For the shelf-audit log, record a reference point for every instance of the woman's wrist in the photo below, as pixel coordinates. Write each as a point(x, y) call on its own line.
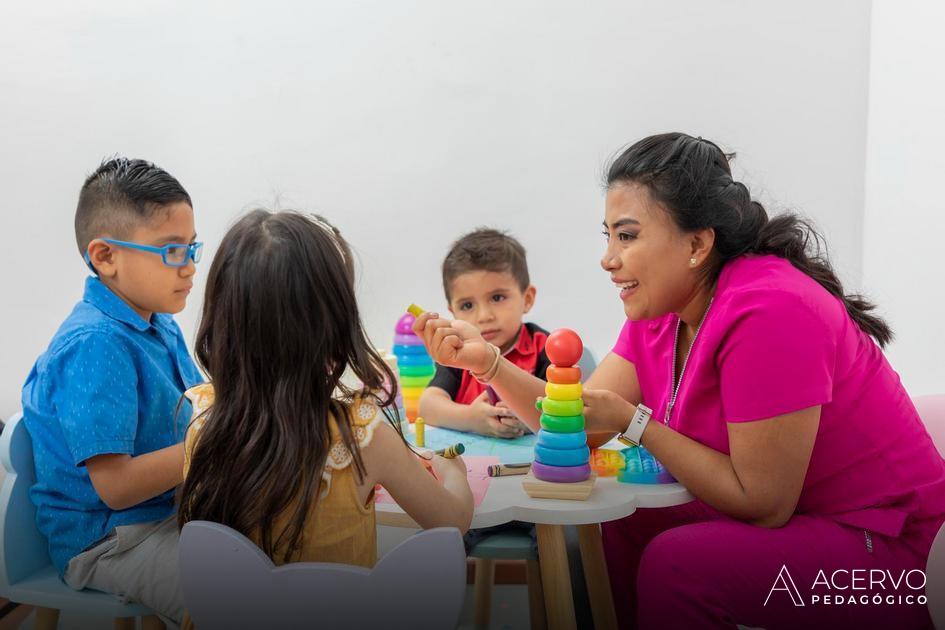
point(621, 423)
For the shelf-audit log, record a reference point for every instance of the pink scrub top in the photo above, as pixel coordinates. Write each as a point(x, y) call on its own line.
point(774, 341)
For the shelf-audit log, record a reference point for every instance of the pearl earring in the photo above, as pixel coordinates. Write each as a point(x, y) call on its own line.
point(692, 262)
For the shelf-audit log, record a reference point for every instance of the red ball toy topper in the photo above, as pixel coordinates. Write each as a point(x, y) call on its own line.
point(564, 347)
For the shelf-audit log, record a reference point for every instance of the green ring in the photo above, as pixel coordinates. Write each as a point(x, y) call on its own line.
point(562, 424)
point(562, 407)
point(417, 370)
point(415, 381)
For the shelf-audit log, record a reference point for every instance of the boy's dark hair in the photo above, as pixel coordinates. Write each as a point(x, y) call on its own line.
point(485, 249)
point(120, 195)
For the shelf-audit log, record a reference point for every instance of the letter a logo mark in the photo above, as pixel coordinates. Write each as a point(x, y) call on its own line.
point(784, 582)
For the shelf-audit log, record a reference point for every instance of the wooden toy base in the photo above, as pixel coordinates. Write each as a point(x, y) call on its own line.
point(538, 489)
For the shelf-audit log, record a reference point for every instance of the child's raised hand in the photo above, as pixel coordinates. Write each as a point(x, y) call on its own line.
point(493, 420)
point(454, 343)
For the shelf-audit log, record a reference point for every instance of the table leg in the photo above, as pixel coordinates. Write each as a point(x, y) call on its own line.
point(555, 577)
point(595, 575)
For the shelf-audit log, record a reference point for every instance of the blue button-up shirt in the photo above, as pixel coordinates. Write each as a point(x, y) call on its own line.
point(110, 382)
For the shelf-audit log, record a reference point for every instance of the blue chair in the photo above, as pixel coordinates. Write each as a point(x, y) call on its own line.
point(514, 545)
point(26, 574)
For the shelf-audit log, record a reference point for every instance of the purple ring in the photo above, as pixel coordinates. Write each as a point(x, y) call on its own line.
point(407, 340)
point(404, 324)
point(561, 474)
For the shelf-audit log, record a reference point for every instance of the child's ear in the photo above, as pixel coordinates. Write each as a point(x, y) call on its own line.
point(529, 296)
point(102, 257)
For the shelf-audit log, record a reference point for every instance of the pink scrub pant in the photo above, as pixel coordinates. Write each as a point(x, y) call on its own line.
point(691, 567)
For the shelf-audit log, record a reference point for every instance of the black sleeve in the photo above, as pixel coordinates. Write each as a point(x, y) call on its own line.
point(448, 379)
point(541, 365)
point(542, 362)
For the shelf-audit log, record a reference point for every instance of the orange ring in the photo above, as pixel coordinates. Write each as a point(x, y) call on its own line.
point(563, 375)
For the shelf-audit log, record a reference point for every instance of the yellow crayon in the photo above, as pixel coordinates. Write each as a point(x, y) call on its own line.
point(452, 451)
point(415, 310)
point(419, 426)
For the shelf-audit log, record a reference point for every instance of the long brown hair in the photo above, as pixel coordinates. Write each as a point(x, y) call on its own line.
point(280, 324)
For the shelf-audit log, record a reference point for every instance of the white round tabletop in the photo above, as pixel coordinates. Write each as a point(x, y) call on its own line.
point(506, 501)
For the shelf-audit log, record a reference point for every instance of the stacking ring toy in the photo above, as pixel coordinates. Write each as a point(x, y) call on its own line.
point(557, 391)
point(560, 474)
point(400, 349)
point(548, 439)
point(563, 375)
point(557, 457)
point(412, 392)
point(407, 339)
point(561, 407)
point(416, 370)
point(405, 324)
point(414, 359)
point(562, 424)
point(409, 382)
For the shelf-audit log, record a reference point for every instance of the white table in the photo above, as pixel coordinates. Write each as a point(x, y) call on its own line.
point(610, 500)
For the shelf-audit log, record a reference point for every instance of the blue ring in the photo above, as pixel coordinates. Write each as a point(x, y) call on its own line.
point(401, 349)
point(414, 359)
point(560, 441)
point(562, 457)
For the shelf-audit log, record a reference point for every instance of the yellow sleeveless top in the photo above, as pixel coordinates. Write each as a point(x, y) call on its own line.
point(338, 528)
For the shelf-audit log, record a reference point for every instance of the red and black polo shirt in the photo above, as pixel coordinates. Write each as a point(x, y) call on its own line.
point(528, 353)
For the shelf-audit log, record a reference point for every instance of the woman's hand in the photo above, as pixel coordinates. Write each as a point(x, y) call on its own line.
point(605, 411)
point(454, 343)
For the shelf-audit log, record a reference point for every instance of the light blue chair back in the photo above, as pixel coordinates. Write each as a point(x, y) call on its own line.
point(228, 582)
point(23, 549)
point(27, 575)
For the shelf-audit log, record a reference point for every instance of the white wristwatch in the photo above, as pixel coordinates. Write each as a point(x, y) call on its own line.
point(631, 437)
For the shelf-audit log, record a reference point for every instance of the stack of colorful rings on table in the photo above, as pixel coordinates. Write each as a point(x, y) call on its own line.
point(414, 366)
point(561, 453)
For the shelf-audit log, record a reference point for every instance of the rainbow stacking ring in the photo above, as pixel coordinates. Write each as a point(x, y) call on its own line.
point(554, 407)
point(407, 340)
point(562, 457)
point(562, 424)
point(549, 439)
point(562, 392)
point(414, 359)
point(400, 348)
point(417, 370)
point(561, 474)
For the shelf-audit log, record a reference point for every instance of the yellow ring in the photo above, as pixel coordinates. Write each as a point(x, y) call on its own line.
point(559, 391)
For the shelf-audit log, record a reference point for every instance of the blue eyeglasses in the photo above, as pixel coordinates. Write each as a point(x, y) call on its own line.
point(173, 255)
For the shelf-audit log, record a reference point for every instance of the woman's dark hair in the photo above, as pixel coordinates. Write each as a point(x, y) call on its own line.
point(691, 178)
point(280, 324)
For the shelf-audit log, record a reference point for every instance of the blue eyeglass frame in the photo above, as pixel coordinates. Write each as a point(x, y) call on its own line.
point(194, 251)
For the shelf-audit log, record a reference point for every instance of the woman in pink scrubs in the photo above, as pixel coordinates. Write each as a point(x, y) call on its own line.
point(818, 489)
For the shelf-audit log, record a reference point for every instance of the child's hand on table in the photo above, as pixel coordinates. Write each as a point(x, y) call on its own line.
point(493, 420)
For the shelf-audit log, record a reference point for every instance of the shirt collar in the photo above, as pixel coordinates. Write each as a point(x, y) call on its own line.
point(525, 344)
point(104, 299)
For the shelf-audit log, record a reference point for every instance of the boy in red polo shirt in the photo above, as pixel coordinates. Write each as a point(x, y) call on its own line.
point(485, 278)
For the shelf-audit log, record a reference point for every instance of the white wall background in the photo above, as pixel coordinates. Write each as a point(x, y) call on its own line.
point(905, 206)
point(409, 123)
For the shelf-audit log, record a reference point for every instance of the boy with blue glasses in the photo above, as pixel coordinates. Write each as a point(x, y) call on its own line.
point(104, 403)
